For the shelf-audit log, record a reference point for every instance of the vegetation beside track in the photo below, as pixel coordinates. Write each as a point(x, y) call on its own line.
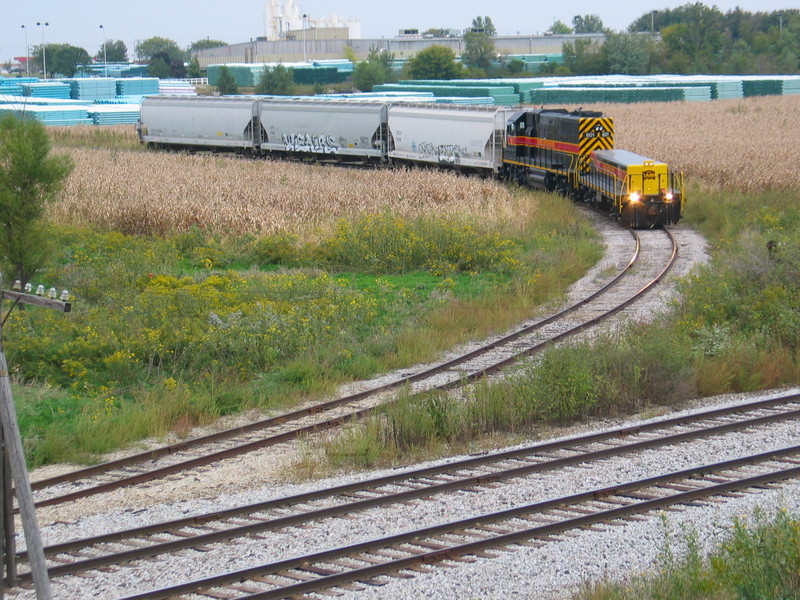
point(740, 309)
point(170, 330)
point(758, 559)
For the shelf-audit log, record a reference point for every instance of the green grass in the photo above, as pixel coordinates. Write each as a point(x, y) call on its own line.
point(743, 308)
point(211, 326)
point(759, 559)
point(619, 373)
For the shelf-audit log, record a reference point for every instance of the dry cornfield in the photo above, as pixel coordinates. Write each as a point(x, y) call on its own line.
point(748, 144)
point(159, 192)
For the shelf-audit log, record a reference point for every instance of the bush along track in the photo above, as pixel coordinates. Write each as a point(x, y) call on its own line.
point(171, 332)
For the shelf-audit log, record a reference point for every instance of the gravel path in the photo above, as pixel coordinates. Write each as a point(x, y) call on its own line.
point(549, 572)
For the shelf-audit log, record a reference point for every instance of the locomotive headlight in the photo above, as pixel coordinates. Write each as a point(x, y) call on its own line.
point(668, 196)
point(634, 197)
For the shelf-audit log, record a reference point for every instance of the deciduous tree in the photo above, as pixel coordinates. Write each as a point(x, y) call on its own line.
point(434, 62)
point(587, 24)
point(29, 179)
point(275, 81)
point(147, 50)
point(479, 48)
point(226, 84)
point(62, 59)
point(115, 51)
point(375, 70)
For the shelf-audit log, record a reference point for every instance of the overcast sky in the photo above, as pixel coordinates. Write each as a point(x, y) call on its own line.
point(77, 22)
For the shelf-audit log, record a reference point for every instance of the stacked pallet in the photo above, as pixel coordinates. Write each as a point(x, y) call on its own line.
point(340, 64)
point(51, 114)
point(137, 86)
point(113, 114)
point(47, 89)
point(7, 86)
point(501, 95)
point(535, 62)
point(759, 85)
point(94, 88)
point(588, 95)
point(312, 74)
point(245, 75)
point(167, 87)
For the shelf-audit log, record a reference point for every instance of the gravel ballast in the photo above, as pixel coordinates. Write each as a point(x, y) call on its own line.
point(550, 572)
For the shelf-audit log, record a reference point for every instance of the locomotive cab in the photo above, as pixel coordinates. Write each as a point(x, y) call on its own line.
point(639, 191)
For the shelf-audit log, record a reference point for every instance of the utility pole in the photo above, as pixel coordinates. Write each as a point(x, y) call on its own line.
point(44, 47)
point(13, 456)
point(105, 57)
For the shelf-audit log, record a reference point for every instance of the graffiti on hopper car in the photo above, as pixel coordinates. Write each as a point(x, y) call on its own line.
point(304, 142)
point(445, 153)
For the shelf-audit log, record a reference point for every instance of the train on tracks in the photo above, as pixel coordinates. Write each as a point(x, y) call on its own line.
point(569, 152)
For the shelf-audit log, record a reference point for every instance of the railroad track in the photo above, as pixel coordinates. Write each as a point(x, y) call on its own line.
point(350, 568)
point(473, 473)
point(635, 279)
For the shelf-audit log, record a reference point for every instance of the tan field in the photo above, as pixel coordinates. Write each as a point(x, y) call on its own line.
point(157, 192)
point(740, 144)
point(748, 144)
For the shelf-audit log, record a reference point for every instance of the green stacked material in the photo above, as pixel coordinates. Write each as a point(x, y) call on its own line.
point(791, 85)
point(248, 75)
point(112, 69)
point(692, 90)
point(114, 114)
point(10, 87)
point(503, 95)
point(137, 86)
point(63, 114)
point(399, 65)
point(244, 75)
point(341, 64)
point(94, 88)
point(521, 86)
point(534, 63)
point(762, 87)
point(589, 95)
point(47, 89)
point(309, 75)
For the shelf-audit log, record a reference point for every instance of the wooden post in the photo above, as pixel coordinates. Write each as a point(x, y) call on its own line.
point(22, 486)
point(8, 525)
point(3, 537)
point(14, 461)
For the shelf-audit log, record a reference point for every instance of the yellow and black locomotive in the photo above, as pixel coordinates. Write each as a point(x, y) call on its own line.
point(572, 153)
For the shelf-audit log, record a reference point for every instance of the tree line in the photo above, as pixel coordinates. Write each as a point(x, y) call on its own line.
point(163, 56)
point(693, 39)
point(690, 39)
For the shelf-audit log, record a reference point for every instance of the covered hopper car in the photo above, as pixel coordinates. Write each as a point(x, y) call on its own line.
point(569, 152)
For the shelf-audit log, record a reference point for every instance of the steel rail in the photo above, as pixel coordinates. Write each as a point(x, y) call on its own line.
point(639, 504)
point(429, 490)
point(294, 415)
point(316, 409)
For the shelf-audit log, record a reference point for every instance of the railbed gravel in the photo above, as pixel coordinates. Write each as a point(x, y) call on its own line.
point(550, 572)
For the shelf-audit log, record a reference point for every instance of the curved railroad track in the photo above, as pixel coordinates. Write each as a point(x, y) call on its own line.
point(652, 254)
point(414, 486)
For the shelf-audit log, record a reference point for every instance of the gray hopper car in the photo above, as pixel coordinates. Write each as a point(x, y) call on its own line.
point(571, 153)
point(465, 137)
point(462, 137)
